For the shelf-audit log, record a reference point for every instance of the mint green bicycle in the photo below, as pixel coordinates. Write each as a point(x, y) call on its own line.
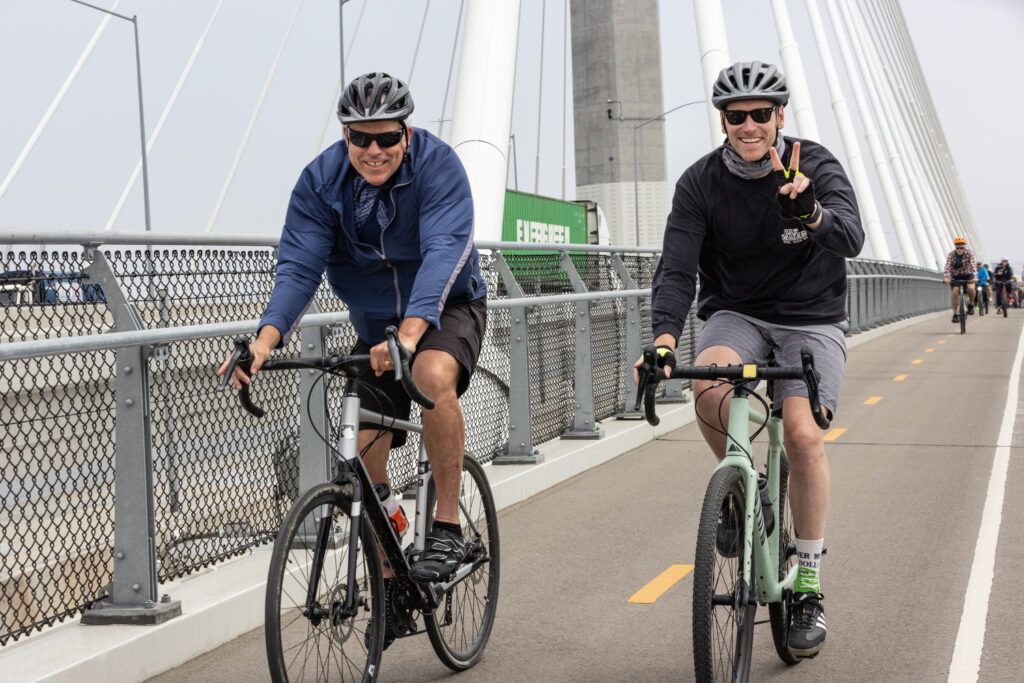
point(746, 546)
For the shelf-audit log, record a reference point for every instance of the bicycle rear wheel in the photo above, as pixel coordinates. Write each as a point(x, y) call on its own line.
point(778, 612)
point(461, 626)
point(324, 643)
point(723, 628)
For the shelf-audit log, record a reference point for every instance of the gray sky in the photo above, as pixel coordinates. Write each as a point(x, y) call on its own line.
point(77, 171)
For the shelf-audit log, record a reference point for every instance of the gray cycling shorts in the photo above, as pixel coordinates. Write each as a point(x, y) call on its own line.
point(754, 340)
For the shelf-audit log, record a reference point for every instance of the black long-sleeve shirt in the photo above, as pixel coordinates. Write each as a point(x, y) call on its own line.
point(750, 258)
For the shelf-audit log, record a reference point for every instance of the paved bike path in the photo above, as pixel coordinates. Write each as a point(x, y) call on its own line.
point(909, 474)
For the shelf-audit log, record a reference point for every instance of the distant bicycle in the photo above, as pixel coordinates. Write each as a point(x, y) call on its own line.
point(981, 297)
point(326, 612)
point(746, 544)
point(962, 305)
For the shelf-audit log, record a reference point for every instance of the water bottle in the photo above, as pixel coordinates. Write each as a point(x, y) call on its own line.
point(766, 503)
point(387, 499)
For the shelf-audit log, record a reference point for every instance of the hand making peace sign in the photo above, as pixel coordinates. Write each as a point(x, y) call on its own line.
point(796, 191)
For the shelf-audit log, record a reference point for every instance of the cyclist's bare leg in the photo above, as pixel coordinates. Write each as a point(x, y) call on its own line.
point(955, 297)
point(809, 475)
point(710, 397)
point(444, 429)
point(970, 294)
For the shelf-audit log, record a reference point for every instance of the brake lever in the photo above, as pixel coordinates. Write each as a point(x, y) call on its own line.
point(811, 377)
point(400, 358)
point(241, 358)
point(647, 385)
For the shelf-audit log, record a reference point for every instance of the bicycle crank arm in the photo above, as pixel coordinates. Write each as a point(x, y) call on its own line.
point(439, 589)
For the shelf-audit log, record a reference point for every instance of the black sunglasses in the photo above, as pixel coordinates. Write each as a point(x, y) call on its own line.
point(388, 139)
point(737, 116)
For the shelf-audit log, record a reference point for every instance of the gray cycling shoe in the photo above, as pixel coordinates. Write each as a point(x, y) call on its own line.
point(442, 555)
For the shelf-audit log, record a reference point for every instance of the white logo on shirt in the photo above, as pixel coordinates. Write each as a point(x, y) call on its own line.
point(793, 235)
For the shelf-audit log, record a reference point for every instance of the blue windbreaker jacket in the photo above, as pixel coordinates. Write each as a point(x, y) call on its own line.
point(425, 257)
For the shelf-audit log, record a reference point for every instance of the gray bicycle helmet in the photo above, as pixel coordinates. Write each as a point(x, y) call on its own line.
point(375, 97)
point(749, 81)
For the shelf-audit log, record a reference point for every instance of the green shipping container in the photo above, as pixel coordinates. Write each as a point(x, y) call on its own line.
point(532, 218)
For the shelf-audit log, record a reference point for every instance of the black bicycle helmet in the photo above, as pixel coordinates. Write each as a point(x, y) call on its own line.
point(375, 97)
point(749, 81)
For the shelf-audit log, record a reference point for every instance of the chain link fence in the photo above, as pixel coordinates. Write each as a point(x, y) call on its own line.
point(222, 480)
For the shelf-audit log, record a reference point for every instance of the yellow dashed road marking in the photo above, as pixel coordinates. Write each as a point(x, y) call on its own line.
point(668, 578)
point(928, 350)
point(917, 361)
point(899, 378)
point(943, 341)
point(873, 400)
point(835, 434)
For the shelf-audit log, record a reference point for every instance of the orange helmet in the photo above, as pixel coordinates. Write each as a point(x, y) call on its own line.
point(959, 240)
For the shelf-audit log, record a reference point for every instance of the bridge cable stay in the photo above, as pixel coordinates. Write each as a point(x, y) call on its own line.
point(451, 67)
point(252, 120)
point(163, 118)
point(876, 84)
point(333, 106)
point(540, 95)
point(901, 51)
point(923, 165)
point(419, 38)
point(883, 168)
point(45, 120)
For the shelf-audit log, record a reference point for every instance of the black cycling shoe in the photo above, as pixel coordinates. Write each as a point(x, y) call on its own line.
point(970, 310)
point(442, 555)
point(806, 633)
point(389, 618)
point(956, 318)
point(728, 535)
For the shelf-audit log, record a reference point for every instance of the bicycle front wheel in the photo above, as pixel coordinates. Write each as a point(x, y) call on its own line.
point(461, 626)
point(723, 626)
point(963, 312)
point(778, 612)
point(331, 638)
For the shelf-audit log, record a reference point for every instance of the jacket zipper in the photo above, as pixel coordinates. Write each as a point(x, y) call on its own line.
point(383, 254)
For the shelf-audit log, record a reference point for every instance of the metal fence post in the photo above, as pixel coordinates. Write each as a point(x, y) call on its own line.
point(583, 421)
point(519, 450)
point(133, 591)
point(634, 346)
point(314, 466)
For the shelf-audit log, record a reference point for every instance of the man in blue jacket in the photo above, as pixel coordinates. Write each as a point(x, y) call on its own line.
point(387, 212)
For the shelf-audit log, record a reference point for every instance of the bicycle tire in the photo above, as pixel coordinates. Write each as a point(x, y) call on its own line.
point(778, 612)
point(723, 634)
point(461, 626)
point(350, 648)
point(963, 312)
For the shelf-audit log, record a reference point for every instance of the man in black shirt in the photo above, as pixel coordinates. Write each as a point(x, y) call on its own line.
point(1003, 275)
point(768, 224)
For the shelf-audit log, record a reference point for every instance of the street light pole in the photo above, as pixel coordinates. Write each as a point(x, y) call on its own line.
point(341, 39)
point(636, 173)
point(142, 119)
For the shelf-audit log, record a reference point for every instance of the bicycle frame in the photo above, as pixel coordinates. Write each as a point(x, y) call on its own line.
point(356, 475)
point(739, 455)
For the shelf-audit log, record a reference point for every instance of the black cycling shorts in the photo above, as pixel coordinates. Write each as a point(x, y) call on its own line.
point(461, 335)
point(955, 279)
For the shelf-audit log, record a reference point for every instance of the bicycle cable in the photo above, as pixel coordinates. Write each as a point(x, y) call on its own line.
point(721, 420)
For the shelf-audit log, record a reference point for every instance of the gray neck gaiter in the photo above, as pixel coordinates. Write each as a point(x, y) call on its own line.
point(749, 170)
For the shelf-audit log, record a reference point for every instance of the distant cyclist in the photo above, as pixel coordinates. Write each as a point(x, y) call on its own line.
point(1003, 275)
point(768, 222)
point(961, 267)
point(983, 278)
